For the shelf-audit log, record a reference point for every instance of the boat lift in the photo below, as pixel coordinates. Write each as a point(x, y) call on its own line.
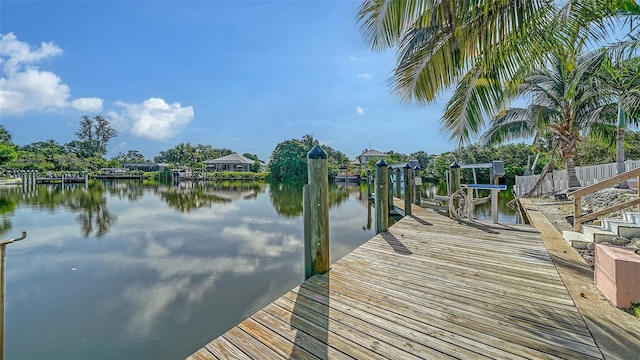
point(461, 200)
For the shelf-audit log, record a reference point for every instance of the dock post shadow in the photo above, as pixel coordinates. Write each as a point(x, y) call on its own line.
point(312, 304)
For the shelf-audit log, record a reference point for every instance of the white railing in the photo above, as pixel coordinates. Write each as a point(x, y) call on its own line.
point(557, 181)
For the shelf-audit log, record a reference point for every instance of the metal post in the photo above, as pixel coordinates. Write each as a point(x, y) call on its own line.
point(318, 209)
point(470, 198)
point(407, 189)
point(2, 287)
point(382, 199)
point(494, 201)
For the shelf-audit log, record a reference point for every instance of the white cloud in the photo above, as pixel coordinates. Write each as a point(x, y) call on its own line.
point(87, 104)
point(153, 119)
point(359, 110)
point(365, 76)
point(24, 87)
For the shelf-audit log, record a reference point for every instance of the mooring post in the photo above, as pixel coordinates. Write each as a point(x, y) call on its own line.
point(454, 170)
point(317, 206)
point(382, 198)
point(407, 189)
point(398, 183)
point(455, 177)
point(3, 251)
point(368, 184)
point(389, 188)
point(417, 181)
point(638, 186)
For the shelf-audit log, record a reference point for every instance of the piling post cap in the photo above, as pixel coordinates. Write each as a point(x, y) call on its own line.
point(381, 163)
point(317, 152)
point(368, 172)
point(454, 165)
point(389, 167)
point(398, 169)
point(406, 166)
point(417, 167)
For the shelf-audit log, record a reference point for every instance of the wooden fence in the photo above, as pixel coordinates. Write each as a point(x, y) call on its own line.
point(558, 181)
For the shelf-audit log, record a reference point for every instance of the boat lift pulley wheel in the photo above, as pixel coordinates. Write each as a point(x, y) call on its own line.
point(460, 206)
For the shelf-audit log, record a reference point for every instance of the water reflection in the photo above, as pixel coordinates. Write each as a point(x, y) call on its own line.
point(286, 198)
point(174, 267)
point(88, 202)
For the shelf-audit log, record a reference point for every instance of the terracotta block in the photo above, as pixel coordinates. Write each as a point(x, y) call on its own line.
point(617, 274)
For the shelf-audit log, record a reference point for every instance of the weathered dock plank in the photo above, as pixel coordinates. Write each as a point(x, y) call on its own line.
point(429, 288)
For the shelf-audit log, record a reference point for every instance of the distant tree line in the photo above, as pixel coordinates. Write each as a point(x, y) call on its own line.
point(288, 161)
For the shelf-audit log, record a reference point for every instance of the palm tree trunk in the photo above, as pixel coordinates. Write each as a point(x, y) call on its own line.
point(620, 155)
point(571, 172)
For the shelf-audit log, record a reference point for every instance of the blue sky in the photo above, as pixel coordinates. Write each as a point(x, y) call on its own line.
point(243, 75)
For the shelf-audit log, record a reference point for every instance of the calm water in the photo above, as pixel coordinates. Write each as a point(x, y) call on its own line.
point(122, 270)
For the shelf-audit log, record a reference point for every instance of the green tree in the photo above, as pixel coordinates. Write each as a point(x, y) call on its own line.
point(131, 157)
point(7, 149)
point(591, 152)
point(623, 81)
point(7, 153)
point(94, 134)
point(565, 100)
point(187, 154)
point(632, 145)
point(289, 161)
point(5, 136)
point(49, 148)
point(422, 157)
point(31, 161)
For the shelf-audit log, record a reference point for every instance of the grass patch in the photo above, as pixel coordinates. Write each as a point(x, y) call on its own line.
point(633, 310)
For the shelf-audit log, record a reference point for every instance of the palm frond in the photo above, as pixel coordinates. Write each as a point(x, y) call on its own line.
point(509, 125)
point(474, 99)
point(383, 22)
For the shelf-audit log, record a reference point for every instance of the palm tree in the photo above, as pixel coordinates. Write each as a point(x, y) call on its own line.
point(479, 47)
point(623, 80)
point(442, 43)
point(565, 100)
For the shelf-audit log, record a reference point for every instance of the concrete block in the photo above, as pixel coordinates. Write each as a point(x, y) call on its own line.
point(617, 274)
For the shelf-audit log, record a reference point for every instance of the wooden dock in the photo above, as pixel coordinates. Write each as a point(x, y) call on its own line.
point(429, 288)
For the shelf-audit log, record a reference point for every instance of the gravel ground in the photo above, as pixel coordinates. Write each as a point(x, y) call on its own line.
point(557, 212)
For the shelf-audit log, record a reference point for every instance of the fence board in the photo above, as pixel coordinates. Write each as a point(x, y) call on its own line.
point(558, 180)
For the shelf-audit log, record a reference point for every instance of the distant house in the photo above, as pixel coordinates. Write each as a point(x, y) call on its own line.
point(145, 166)
point(413, 163)
point(368, 155)
point(233, 162)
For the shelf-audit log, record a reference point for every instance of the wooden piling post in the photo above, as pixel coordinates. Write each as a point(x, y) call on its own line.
point(407, 189)
point(389, 188)
point(3, 251)
point(317, 232)
point(398, 183)
point(382, 199)
point(368, 184)
point(455, 177)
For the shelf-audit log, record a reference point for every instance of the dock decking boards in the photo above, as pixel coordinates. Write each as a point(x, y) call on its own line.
point(430, 288)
